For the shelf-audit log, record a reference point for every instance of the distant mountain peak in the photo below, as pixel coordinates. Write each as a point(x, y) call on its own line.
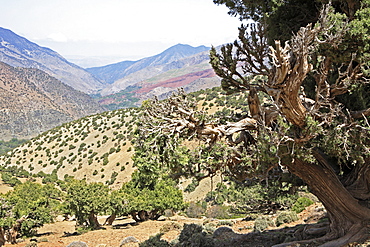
point(17, 51)
point(114, 72)
point(186, 50)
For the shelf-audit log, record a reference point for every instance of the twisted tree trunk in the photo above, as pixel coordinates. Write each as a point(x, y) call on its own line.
point(93, 221)
point(109, 221)
point(349, 219)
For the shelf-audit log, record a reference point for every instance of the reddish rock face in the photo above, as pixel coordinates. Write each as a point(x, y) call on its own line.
point(178, 81)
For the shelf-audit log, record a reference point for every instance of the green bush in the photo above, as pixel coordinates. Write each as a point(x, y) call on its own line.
point(262, 222)
point(225, 223)
point(170, 226)
point(286, 217)
point(301, 204)
point(195, 210)
point(154, 201)
point(35, 204)
point(155, 241)
point(193, 236)
point(9, 179)
point(192, 186)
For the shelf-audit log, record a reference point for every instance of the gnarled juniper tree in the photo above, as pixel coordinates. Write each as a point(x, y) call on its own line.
point(310, 61)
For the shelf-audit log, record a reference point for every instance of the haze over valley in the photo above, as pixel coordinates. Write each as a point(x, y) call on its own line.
point(97, 89)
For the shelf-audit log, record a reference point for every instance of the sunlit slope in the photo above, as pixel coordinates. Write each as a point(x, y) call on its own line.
point(95, 148)
point(98, 147)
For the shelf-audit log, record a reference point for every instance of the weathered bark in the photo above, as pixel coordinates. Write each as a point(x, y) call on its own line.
point(134, 216)
point(93, 221)
point(2, 236)
point(344, 200)
point(154, 215)
point(12, 233)
point(143, 215)
point(140, 216)
point(290, 69)
point(357, 181)
point(254, 104)
point(110, 219)
point(349, 220)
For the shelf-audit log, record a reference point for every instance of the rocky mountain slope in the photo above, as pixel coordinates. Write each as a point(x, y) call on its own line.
point(32, 101)
point(175, 58)
point(179, 66)
point(97, 147)
point(113, 72)
point(115, 82)
point(20, 52)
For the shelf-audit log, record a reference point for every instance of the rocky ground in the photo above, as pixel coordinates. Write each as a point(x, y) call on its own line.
point(60, 234)
point(236, 232)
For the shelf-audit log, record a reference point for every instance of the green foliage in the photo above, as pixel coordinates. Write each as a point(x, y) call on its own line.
point(6, 146)
point(50, 178)
point(251, 196)
point(16, 171)
point(164, 195)
point(192, 186)
point(195, 210)
point(86, 201)
point(359, 29)
point(263, 222)
point(301, 204)
point(286, 217)
point(193, 235)
point(38, 204)
point(8, 179)
point(155, 241)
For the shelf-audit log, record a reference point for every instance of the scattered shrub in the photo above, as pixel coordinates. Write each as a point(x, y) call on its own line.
point(301, 204)
point(192, 186)
point(218, 212)
point(193, 235)
point(155, 241)
point(195, 210)
point(170, 226)
point(262, 222)
point(225, 223)
point(286, 217)
point(31, 244)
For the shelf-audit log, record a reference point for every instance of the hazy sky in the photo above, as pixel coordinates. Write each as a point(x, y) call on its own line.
point(118, 29)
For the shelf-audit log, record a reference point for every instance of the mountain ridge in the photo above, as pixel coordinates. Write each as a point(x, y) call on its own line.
point(32, 101)
point(18, 51)
point(125, 68)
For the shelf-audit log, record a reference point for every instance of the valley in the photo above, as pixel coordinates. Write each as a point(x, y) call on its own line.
point(70, 92)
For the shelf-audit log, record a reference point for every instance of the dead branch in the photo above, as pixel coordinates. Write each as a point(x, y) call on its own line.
point(346, 78)
point(360, 114)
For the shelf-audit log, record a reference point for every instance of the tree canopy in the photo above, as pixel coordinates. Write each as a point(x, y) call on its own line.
point(86, 201)
point(27, 207)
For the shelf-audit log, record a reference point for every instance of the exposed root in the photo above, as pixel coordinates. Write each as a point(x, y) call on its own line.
point(357, 234)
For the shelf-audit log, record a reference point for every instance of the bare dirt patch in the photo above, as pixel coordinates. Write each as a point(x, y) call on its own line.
point(60, 234)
